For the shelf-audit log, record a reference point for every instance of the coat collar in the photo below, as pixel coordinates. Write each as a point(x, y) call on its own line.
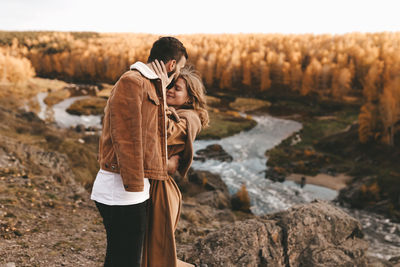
point(144, 70)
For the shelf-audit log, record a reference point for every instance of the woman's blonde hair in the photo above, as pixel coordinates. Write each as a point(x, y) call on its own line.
point(196, 92)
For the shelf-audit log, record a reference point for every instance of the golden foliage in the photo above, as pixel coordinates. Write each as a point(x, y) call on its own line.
point(341, 83)
point(373, 82)
point(330, 66)
point(389, 105)
point(14, 69)
point(311, 77)
point(367, 120)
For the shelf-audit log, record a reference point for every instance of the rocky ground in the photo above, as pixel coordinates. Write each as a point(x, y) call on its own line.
point(46, 216)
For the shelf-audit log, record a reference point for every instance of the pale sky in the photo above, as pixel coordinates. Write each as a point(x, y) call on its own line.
point(201, 16)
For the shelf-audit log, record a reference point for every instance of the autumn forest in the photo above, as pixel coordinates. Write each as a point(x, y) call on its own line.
point(354, 67)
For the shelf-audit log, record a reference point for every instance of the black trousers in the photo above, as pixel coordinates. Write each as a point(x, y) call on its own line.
point(125, 228)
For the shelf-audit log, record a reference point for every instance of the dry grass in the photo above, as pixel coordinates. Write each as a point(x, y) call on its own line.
point(241, 200)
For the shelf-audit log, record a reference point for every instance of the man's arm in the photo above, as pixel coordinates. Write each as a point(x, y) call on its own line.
point(126, 131)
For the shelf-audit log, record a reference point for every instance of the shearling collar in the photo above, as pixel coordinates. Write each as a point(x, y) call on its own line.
point(144, 70)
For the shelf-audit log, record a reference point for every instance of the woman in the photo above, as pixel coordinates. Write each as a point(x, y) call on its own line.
point(186, 114)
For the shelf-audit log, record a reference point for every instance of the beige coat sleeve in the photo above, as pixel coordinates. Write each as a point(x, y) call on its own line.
point(176, 128)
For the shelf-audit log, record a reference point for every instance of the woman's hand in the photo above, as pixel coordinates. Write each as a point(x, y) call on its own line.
point(161, 71)
point(173, 163)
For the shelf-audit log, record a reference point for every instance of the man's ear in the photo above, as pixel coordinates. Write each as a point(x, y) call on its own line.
point(170, 65)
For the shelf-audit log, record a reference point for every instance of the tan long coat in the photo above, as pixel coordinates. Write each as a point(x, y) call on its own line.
point(165, 197)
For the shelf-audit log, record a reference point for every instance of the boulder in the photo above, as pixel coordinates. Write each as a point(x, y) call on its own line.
point(320, 234)
point(209, 181)
point(213, 151)
point(274, 175)
point(253, 242)
point(314, 234)
point(216, 199)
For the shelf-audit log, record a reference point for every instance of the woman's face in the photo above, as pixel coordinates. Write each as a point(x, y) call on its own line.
point(178, 94)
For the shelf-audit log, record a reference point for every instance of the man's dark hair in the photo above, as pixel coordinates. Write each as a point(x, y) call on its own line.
point(166, 49)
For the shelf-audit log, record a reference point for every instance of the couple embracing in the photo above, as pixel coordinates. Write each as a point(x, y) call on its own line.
point(151, 119)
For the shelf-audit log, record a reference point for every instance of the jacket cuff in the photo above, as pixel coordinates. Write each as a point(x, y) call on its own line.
point(171, 112)
point(133, 188)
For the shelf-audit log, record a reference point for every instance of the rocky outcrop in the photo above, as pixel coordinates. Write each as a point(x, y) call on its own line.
point(248, 243)
point(216, 199)
point(213, 151)
point(274, 175)
point(209, 181)
point(320, 234)
point(316, 234)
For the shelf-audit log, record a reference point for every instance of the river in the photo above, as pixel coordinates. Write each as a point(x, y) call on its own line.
point(248, 166)
point(249, 162)
point(63, 119)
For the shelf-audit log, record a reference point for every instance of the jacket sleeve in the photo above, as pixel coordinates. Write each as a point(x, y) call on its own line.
point(176, 128)
point(126, 131)
point(193, 127)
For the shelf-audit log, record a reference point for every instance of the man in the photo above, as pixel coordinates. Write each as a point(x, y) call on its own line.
point(133, 149)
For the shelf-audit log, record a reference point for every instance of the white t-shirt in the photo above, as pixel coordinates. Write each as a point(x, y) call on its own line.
point(108, 189)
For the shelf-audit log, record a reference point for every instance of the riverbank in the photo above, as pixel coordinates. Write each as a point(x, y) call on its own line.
point(337, 182)
point(328, 144)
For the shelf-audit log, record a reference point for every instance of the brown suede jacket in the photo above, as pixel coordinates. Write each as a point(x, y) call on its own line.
point(133, 139)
